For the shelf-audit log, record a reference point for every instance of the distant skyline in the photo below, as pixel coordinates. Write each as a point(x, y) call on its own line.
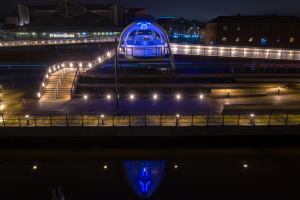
point(188, 9)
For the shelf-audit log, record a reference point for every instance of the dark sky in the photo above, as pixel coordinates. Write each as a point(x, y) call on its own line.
point(189, 9)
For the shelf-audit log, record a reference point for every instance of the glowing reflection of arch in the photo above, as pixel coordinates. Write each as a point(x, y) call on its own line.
point(144, 176)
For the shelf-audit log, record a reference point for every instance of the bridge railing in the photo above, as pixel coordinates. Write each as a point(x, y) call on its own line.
point(56, 41)
point(8, 120)
point(148, 51)
point(241, 52)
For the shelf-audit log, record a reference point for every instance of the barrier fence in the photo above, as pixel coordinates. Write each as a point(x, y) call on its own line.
point(101, 120)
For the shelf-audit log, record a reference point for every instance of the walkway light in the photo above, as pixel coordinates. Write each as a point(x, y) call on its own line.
point(47, 76)
point(278, 90)
point(132, 96)
point(99, 59)
point(102, 119)
point(80, 64)
point(178, 96)
point(245, 165)
point(228, 94)
point(27, 119)
point(34, 167)
point(50, 70)
point(155, 96)
point(108, 54)
point(105, 166)
point(175, 166)
point(90, 65)
point(71, 64)
point(39, 95)
point(177, 118)
point(252, 116)
point(201, 96)
point(108, 96)
point(85, 97)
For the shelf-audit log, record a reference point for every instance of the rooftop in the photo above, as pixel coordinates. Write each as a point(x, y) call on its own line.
point(86, 20)
point(255, 19)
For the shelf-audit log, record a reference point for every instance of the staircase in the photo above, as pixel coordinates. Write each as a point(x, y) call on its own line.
point(62, 88)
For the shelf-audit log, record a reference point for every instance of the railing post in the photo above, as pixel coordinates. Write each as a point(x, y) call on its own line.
point(223, 120)
point(34, 119)
point(50, 120)
point(3, 120)
point(286, 120)
point(67, 120)
point(81, 120)
point(207, 118)
point(129, 120)
point(239, 119)
point(270, 119)
point(192, 119)
point(145, 119)
point(19, 120)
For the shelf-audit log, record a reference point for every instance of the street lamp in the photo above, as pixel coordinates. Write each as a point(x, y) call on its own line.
point(252, 117)
point(102, 118)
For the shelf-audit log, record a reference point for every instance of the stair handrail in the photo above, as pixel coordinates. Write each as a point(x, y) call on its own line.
point(74, 82)
point(59, 82)
point(50, 69)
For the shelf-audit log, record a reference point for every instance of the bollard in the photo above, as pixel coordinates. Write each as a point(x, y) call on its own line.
point(251, 118)
point(228, 94)
point(177, 118)
point(98, 120)
point(27, 119)
point(278, 90)
point(102, 120)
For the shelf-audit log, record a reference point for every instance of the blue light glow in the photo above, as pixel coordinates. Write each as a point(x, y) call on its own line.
point(144, 176)
point(145, 180)
point(143, 25)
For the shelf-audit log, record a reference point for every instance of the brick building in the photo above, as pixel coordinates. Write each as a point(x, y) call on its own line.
point(261, 31)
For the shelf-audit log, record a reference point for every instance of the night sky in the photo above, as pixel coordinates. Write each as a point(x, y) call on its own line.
point(189, 9)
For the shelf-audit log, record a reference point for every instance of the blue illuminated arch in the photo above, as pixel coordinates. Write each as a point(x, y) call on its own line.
point(146, 22)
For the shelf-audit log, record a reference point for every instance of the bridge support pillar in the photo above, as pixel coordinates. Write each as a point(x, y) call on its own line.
point(255, 64)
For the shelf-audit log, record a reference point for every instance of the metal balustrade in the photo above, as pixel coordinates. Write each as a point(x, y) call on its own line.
point(236, 51)
point(56, 41)
point(11, 120)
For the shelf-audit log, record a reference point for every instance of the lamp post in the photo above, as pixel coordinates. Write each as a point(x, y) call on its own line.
point(278, 90)
point(99, 37)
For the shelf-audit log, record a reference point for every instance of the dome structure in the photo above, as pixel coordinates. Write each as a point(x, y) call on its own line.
point(145, 39)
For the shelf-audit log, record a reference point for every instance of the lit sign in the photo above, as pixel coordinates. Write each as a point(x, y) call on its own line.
point(62, 35)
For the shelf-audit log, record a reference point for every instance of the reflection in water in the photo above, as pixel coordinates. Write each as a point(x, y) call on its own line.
point(144, 176)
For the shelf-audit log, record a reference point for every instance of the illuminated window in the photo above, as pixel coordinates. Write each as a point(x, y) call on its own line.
point(264, 41)
point(252, 28)
point(250, 39)
point(237, 39)
point(238, 28)
point(224, 39)
point(225, 28)
point(278, 39)
point(292, 39)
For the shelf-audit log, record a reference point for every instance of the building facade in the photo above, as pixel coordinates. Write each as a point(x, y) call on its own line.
point(182, 30)
point(68, 20)
point(260, 31)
